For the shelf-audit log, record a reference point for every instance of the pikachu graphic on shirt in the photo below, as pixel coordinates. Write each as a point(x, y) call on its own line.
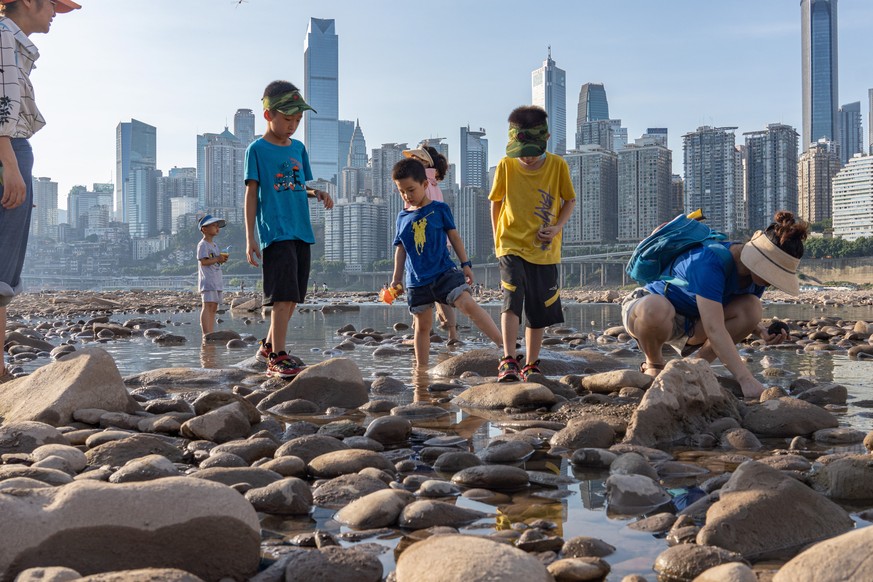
point(418, 232)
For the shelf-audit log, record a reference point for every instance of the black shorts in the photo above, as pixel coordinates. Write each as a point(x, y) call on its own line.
point(286, 271)
point(531, 288)
point(445, 289)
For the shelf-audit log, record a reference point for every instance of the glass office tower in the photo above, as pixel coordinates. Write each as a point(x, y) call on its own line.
point(321, 91)
point(819, 53)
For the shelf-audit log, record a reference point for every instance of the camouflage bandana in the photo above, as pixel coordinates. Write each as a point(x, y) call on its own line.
point(286, 103)
point(527, 143)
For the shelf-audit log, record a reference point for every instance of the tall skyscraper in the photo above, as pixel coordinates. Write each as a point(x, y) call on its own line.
point(644, 187)
point(851, 131)
point(474, 158)
point(820, 70)
point(345, 132)
point(142, 202)
point(135, 148)
point(853, 199)
point(771, 173)
point(44, 219)
point(870, 120)
point(816, 169)
point(473, 219)
point(593, 105)
point(711, 182)
point(355, 233)
point(549, 91)
point(357, 154)
point(321, 91)
point(677, 195)
point(244, 126)
point(594, 174)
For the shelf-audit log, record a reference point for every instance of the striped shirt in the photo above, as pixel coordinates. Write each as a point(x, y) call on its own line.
point(19, 116)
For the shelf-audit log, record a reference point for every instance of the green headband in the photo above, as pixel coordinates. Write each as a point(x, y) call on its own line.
point(528, 142)
point(286, 103)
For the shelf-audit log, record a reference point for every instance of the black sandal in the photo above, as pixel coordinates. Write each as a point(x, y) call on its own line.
point(650, 366)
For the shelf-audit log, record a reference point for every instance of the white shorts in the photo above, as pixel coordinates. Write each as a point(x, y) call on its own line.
point(678, 337)
point(211, 296)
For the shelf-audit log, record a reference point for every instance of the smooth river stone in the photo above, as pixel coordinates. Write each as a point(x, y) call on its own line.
point(338, 463)
point(499, 477)
point(429, 513)
point(378, 509)
point(506, 452)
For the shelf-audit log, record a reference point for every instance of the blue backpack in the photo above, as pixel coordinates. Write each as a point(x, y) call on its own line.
point(653, 257)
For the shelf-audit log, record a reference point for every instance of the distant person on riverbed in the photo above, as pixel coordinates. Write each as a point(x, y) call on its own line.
point(209, 279)
point(276, 172)
point(431, 275)
point(719, 301)
point(19, 120)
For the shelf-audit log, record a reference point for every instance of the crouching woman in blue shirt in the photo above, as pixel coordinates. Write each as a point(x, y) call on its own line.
point(719, 303)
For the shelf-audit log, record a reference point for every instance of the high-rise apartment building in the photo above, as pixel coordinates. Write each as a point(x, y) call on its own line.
point(594, 174)
point(355, 233)
point(179, 207)
point(619, 135)
point(178, 183)
point(473, 219)
point(660, 133)
point(220, 169)
point(44, 219)
point(771, 173)
point(549, 91)
point(819, 70)
point(677, 195)
point(711, 182)
point(244, 126)
point(851, 132)
point(853, 199)
point(644, 187)
point(816, 169)
point(599, 133)
point(593, 105)
point(80, 201)
point(383, 160)
point(135, 149)
point(474, 158)
point(321, 91)
point(741, 199)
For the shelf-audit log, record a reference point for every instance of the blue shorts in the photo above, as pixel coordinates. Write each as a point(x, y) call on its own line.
point(445, 289)
point(15, 227)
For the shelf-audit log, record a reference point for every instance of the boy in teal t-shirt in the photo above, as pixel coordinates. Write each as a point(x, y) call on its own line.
point(276, 202)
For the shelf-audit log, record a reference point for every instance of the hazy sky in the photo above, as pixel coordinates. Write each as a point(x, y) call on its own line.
point(421, 69)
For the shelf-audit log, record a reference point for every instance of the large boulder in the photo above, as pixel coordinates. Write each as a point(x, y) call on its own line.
point(87, 378)
point(204, 528)
point(846, 478)
point(484, 363)
point(186, 377)
point(27, 436)
point(845, 557)
point(335, 382)
point(787, 417)
point(498, 395)
point(682, 401)
point(763, 512)
point(460, 558)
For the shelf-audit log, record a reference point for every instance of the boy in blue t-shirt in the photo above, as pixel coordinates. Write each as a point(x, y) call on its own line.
point(276, 172)
point(431, 275)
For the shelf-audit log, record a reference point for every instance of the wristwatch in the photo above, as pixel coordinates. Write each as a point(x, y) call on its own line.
point(467, 264)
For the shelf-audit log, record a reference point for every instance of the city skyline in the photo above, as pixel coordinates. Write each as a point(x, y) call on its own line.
point(191, 76)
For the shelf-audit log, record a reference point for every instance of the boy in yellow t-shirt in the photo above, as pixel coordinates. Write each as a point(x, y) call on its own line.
point(532, 199)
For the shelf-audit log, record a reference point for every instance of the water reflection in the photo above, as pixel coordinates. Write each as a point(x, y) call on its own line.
point(209, 355)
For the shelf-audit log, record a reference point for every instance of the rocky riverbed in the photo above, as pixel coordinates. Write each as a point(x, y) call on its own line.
point(211, 474)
